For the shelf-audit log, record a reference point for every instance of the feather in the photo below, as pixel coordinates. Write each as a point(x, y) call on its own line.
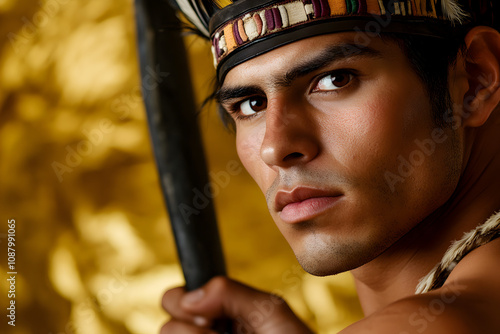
point(187, 9)
point(453, 12)
point(481, 235)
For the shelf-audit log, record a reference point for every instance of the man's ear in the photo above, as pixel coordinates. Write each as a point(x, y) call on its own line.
point(482, 64)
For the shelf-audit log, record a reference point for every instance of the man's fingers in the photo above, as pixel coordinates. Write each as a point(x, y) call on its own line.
point(249, 308)
point(171, 303)
point(176, 327)
point(251, 311)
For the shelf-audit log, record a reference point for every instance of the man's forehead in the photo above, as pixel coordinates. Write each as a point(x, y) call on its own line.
point(293, 60)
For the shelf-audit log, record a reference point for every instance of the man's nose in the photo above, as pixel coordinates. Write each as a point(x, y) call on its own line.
point(291, 136)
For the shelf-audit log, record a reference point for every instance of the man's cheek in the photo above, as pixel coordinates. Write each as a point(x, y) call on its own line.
point(246, 149)
point(249, 154)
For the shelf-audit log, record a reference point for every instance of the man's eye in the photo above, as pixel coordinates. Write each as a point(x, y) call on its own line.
point(253, 105)
point(333, 81)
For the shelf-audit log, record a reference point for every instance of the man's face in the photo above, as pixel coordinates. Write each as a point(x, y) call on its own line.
point(330, 133)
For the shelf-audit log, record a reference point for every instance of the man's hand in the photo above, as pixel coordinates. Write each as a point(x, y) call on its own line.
point(252, 311)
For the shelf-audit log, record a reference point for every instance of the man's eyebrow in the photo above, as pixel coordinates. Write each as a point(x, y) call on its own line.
point(331, 54)
point(225, 94)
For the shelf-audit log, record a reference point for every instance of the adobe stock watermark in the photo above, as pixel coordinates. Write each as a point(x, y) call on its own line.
point(374, 27)
point(127, 102)
point(417, 157)
point(453, 119)
point(11, 272)
point(202, 197)
point(421, 319)
point(75, 154)
point(48, 9)
point(84, 148)
point(87, 310)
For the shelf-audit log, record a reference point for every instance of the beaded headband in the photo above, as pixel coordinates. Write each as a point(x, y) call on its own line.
point(244, 29)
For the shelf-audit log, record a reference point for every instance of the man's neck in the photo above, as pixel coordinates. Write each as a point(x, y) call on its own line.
point(395, 274)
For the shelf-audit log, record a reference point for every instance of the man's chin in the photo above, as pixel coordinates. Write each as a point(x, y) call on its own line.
point(336, 259)
point(327, 269)
point(321, 273)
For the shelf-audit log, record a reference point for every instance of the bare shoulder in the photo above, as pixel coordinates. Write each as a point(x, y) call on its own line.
point(481, 264)
point(467, 303)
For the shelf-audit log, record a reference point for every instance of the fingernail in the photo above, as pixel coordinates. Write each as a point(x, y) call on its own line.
point(200, 321)
point(193, 297)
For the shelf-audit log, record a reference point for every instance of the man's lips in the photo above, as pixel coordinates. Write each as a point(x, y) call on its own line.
point(302, 203)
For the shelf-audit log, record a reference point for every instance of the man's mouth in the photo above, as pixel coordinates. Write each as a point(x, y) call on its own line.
point(302, 203)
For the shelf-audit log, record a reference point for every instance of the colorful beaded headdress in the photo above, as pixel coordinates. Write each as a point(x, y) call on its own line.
point(244, 29)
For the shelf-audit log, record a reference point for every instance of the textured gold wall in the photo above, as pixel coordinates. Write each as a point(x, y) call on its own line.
point(94, 252)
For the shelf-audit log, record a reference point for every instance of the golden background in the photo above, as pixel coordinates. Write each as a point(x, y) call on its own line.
point(94, 251)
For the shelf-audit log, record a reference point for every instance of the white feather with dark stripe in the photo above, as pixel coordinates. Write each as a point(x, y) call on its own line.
point(481, 235)
point(187, 9)
point(453, 12)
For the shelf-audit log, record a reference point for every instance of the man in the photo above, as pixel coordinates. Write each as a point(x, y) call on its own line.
point(372, 129)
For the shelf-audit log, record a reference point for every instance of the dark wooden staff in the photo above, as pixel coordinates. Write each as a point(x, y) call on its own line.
point(176, 141)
